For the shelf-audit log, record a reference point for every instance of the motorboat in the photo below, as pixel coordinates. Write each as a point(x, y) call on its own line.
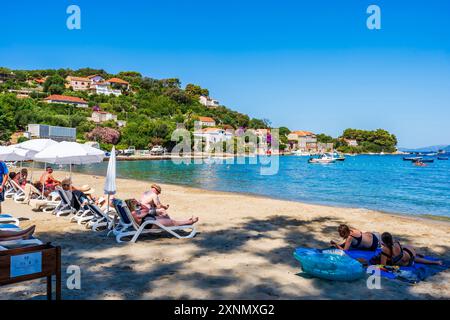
point(442, 158)
point(323, 159)
point(338, 156)
point(412, 158)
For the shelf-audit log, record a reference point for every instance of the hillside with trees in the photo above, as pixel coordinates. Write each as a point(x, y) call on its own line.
point(152, 108)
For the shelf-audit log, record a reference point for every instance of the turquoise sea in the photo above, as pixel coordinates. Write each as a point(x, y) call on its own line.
point(385, 183)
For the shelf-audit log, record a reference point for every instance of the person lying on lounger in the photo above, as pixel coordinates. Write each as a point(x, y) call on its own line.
point(356, 239)
point(17, 235)
point(151, 207)
point(394, 254)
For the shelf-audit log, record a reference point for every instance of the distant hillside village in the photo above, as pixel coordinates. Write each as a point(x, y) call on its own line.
point(128, 109)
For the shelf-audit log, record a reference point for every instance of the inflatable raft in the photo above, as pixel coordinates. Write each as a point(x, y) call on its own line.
point(329, 264)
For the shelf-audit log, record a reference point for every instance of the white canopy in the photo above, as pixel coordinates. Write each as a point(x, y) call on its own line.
point(12, 153)
point(36, 145)
point(110, 182)
point(70, 153)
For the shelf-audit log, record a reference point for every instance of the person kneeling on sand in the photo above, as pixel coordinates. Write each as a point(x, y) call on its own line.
point(151, 207)
point(394, 254)
point(356, 239)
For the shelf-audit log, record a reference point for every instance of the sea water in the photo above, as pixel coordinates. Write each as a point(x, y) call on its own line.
point(385, 183)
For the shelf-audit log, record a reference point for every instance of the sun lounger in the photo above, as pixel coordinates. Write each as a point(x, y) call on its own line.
point(10, 190)
point(101, 219)
point(64, 208)
point(20, 194)
point(7, 218)
point(128, 227)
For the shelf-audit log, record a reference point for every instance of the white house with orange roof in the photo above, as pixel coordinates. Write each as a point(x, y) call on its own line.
point(303, 141)
point(118, 83)
point(56, 98)
point(206, 122)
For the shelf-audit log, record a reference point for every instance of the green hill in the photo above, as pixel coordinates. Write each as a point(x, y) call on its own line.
point(151, 107)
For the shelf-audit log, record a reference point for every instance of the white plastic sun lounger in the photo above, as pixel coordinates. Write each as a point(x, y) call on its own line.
point(20, 194)
point(10, 191)
point(65, 207)
point(7, 218)
point(128, 227)
point(101, 220)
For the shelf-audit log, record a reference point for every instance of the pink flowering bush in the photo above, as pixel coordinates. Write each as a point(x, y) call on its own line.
point(104, 135)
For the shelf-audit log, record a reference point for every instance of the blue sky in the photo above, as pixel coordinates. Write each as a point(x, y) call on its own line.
point(310, 65)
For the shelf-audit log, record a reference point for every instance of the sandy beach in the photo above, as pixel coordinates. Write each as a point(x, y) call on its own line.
point(243, 250)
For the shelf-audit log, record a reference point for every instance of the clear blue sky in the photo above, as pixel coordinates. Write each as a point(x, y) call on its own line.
point(310, 65)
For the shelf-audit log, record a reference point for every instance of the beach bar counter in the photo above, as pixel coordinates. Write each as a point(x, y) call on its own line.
point(30, 263)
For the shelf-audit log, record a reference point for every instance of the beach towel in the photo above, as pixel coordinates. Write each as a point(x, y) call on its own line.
point(413, 274)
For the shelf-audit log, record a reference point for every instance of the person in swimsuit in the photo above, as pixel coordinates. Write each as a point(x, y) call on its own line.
point(48, 181)
point(151, 207)
point(356, 239)
point(394, 254)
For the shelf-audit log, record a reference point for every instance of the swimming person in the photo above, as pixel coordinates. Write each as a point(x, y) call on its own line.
point(151, 206)
point(393, 253)
point(356, 239)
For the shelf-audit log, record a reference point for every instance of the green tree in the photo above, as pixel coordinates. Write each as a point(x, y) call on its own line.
point(54, 84)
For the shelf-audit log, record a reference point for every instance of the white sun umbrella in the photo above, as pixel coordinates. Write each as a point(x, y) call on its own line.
point(35, 146)
point(110, 181)
point(12, 153)
point(70, 153)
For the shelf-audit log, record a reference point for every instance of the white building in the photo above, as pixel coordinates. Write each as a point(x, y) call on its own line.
point(208, 102)
point(206, 122)
point(211, 136)
point(351, 142)
point(303, 140)
point(105, 88)
point(42, 131)
point(78, 83)
point(57, 98)
point(103, 116)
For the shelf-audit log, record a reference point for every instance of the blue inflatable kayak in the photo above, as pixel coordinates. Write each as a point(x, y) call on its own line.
point(329, 264)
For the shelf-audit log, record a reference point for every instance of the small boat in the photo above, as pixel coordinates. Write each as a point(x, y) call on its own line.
point(412, 158)
point(426, 160)
point(442, 158)
point(323, 159)
point(338, 156)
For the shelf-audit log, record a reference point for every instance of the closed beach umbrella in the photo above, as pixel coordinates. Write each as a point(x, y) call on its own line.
point(110, 182)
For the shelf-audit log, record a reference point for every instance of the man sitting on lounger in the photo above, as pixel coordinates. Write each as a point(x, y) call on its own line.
point(151, 207)
point(48, 181)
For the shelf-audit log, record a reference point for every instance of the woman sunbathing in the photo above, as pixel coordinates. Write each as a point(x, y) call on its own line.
point(151, 207)
point(393, 253)
point(356, 239)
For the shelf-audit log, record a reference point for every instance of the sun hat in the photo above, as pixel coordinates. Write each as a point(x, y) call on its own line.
point(156, 187)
